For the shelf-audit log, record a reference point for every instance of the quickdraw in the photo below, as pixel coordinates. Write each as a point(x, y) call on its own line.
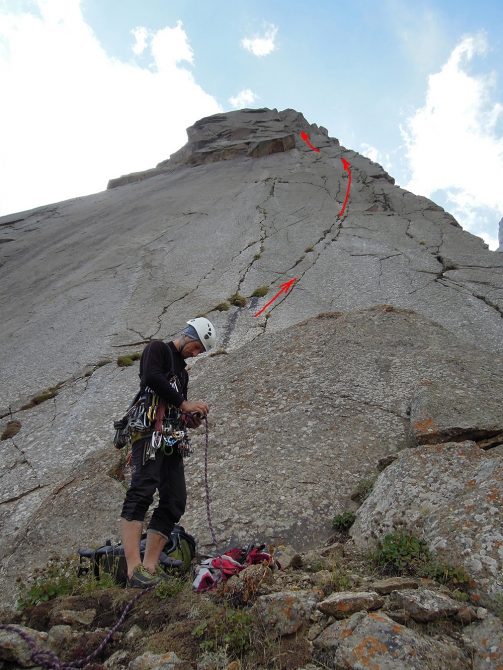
point(148, 412)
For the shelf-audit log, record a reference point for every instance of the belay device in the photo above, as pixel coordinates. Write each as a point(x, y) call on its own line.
point(176, 556)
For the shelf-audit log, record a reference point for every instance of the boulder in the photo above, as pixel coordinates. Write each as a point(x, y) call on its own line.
point(385, 586)
point(376, 641)
point(486, 640)
point(451, 496)
point(284, 613)
point(15, 649)
point(424, 605)
point(345, 603)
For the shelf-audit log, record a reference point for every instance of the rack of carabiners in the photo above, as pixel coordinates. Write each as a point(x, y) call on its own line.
point(167, 423)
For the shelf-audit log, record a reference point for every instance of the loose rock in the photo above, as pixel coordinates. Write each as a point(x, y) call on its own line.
point(424, 605)
point(284, 613)
point(344, 603)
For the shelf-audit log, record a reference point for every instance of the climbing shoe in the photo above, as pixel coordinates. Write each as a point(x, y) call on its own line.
point(160, 574)
point(143, 579)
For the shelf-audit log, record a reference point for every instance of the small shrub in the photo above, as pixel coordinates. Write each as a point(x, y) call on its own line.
point(230, 629)
point(237, 300)
point(410, 554)
point(342, 522)
point(221, 307)
point(127, 360)
point(13, 427)
point(400, 549)
point(170, 588)
point(260, 292)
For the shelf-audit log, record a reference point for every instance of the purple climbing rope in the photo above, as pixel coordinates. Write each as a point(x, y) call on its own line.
point(208, 500)
point(48, 659)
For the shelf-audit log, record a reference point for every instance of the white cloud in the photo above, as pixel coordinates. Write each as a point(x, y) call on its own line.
point(453, 144)
point(76, 118)
point(141, 43)
point(261, 46)
point(243, 99)
point(375, 155)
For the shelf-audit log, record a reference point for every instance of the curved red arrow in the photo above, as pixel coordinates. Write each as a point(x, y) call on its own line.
point(346, 166)
point(305, 137)
point(284, 289)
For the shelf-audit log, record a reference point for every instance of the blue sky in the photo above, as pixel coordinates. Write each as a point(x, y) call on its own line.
point(93, 89)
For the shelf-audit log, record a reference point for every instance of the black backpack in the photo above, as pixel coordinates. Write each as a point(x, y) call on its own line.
point(176, 556)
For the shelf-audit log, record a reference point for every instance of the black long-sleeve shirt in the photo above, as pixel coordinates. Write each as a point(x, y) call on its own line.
point(162, 368)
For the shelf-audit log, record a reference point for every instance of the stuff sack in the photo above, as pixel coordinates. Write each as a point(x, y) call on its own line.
point(176, 556)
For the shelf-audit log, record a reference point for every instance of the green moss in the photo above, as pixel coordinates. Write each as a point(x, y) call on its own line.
point(127, 360)
point(218, 352)
point(42, 396)
point(237, 300)
point(13, 427)
point(260, 292)
point(221, 307)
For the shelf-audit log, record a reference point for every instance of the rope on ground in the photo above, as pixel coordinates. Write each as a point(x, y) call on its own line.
point(48, 659)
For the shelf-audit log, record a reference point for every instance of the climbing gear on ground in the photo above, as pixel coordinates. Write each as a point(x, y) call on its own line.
point(149, 412)
point(211, 571)
point(176, 556)
point(48, 659)
point(205, 331)
point(142, 578)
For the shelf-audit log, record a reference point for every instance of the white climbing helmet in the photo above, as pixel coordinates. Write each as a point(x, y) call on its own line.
point(205, 330)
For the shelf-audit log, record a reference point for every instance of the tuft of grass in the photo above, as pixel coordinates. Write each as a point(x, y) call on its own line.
point(256, 257)
point(342, 522)
point(237, 300)
point(13, 427)
point(199, 316)
point(308, 249)
point(221, 307)
point(58, 578)
point(260, 292)
point(127, 360)
point(170, 587)
point(363, 489)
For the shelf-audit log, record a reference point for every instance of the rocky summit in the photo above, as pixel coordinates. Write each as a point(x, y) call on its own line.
point(370, 385)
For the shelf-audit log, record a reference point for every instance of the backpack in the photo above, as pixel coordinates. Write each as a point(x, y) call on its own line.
point(176, 556)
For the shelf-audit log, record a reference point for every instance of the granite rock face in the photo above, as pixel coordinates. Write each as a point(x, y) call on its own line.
point(301, 407)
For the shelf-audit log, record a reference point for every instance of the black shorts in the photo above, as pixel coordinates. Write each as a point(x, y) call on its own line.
point(165, 474)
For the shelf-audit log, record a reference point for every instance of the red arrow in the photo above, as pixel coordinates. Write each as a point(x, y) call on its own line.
point(284, 289)
point(305, 137)
point(346, 166)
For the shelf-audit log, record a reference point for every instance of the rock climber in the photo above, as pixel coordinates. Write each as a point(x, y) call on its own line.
point(162, 369)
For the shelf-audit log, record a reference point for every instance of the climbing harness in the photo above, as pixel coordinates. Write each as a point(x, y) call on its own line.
point(48, 659)
point(149, 413)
